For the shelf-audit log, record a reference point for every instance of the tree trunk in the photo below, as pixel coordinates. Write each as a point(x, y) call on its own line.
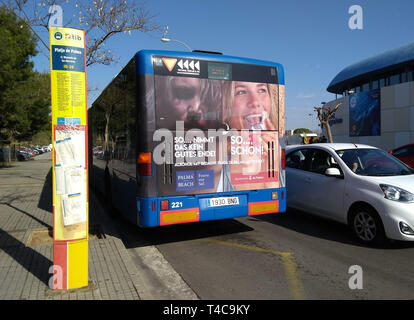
point(328, 131)
point(106, 141)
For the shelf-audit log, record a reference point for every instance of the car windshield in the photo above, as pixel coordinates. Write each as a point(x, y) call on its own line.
point(373, 162)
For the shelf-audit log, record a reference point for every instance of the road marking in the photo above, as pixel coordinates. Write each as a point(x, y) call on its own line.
point(291, 270)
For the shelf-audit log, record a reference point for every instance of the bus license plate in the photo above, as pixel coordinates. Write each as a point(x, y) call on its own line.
point(223, 201)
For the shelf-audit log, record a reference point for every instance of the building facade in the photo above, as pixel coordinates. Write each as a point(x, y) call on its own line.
point(377, 96)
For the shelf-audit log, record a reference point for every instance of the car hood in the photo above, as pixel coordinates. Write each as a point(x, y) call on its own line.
point(405, 182)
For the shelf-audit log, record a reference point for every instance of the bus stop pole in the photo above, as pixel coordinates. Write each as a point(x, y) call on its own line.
point(70, 158)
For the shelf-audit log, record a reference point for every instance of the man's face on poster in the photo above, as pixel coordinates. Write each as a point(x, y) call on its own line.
point(185, 96)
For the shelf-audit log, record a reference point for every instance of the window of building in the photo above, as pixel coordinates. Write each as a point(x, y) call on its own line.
point(365, 86)
point(394, 79)
point(383, 82)
point(410, 76)
point(375, 84)
point(358, 89)
point(404, 77)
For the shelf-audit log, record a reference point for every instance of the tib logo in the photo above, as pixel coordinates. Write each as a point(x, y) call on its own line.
point(70, 36)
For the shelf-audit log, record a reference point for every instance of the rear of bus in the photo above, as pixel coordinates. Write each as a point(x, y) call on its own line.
point(209, 131)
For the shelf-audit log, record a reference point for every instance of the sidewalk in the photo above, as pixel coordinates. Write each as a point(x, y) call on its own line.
point(26, 245)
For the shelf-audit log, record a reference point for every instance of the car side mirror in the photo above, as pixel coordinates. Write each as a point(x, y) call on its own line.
point(333, 172)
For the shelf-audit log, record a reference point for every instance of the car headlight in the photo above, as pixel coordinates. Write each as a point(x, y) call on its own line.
point(396, 194)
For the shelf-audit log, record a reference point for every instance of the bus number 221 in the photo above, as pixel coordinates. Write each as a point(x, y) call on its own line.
point(177, 204)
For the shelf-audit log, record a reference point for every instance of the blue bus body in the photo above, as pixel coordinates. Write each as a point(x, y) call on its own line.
point(144, 162)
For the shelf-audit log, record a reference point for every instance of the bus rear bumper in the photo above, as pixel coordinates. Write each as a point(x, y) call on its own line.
point(153, 212)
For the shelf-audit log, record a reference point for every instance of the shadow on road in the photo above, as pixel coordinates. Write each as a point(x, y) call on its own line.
point(29, 215)
point(12, 198)
point(298, 221)
point(187, 231)
point(295, 220)
point(134, 236)
point(314, 226)
point(28, 258)
point(46, 197)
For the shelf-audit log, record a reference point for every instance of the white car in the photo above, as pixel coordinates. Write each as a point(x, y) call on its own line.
point(358, 185)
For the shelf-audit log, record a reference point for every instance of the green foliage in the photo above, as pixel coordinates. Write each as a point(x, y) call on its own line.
point(302, 130)
point(38, 107)
point(42, 138)
point(24, 93)
point(18, 45)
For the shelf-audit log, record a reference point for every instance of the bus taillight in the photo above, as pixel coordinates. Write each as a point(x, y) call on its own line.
point(165, 205)
point(283, 158)
point(145, 164)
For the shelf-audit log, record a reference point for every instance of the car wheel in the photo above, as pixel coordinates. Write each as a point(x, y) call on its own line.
point(367, 225)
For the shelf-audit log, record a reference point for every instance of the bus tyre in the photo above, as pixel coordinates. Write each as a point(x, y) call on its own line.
point(367, 226)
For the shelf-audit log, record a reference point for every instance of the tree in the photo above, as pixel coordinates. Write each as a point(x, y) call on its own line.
point(324, 114)
point(17, 47)
point(301, 130)
point(38, 106)
point(101, 19)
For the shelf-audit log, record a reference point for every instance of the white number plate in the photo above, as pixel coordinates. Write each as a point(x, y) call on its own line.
point(223, 201)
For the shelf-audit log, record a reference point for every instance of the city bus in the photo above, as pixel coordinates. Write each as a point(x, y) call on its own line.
point(180, 137)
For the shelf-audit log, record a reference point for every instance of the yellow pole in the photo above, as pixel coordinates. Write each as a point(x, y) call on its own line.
point(70, 157)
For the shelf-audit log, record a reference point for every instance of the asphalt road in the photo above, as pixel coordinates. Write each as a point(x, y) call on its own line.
point(280, 256)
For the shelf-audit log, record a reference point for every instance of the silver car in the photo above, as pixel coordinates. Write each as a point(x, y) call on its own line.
point(358, 185)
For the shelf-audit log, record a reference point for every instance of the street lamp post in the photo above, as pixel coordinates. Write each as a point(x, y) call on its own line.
point(169, 40)
point(165, 39)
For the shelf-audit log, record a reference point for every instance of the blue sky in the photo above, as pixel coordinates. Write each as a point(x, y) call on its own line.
point(310, 38)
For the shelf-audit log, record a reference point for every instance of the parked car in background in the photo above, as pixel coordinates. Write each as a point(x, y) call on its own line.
point(22, 155)
point(405, 154)
point(98, 152)
point(358, 185)
point(14, 155)
point(29, 150)
point(39, 149)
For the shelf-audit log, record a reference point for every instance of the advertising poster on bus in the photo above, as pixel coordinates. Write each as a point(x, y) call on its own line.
point(365, 114)
point(225, 133)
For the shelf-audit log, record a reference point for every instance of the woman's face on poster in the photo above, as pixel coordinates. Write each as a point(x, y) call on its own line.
point(251, 106)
